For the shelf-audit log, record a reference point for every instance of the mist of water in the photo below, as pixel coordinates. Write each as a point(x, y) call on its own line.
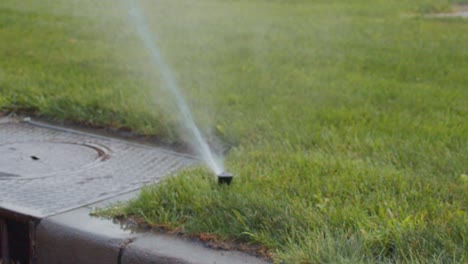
point(197, 141)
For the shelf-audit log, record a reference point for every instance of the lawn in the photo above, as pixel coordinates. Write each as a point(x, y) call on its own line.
point(347, 121)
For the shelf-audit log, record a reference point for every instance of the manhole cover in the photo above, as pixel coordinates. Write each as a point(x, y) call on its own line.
point(45, 170)
point(40, 159)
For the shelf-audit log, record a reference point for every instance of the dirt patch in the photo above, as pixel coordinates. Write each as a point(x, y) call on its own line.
point(215, 242)
point(459, 10)
point(209, 240)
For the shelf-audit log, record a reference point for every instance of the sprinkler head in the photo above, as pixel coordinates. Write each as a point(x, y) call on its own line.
point(225, 178)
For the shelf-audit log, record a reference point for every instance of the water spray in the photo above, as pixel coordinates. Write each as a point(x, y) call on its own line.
point(197, 140)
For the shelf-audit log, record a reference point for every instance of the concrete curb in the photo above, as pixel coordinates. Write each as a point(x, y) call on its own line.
point(59, 240)
point(166, 249)
point(76, 237)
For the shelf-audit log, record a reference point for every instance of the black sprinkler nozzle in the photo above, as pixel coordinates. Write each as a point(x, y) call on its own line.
point(225, 178)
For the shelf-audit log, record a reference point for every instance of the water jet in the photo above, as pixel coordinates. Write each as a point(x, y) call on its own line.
point(149, 40)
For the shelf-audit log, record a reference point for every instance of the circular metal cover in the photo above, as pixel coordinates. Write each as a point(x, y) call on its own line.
point(45, 170)
point(39, 159)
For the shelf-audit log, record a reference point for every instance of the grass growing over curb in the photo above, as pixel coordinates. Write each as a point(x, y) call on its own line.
point(347, 120)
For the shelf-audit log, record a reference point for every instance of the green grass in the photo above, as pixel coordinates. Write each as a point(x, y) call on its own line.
point(347, 119)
